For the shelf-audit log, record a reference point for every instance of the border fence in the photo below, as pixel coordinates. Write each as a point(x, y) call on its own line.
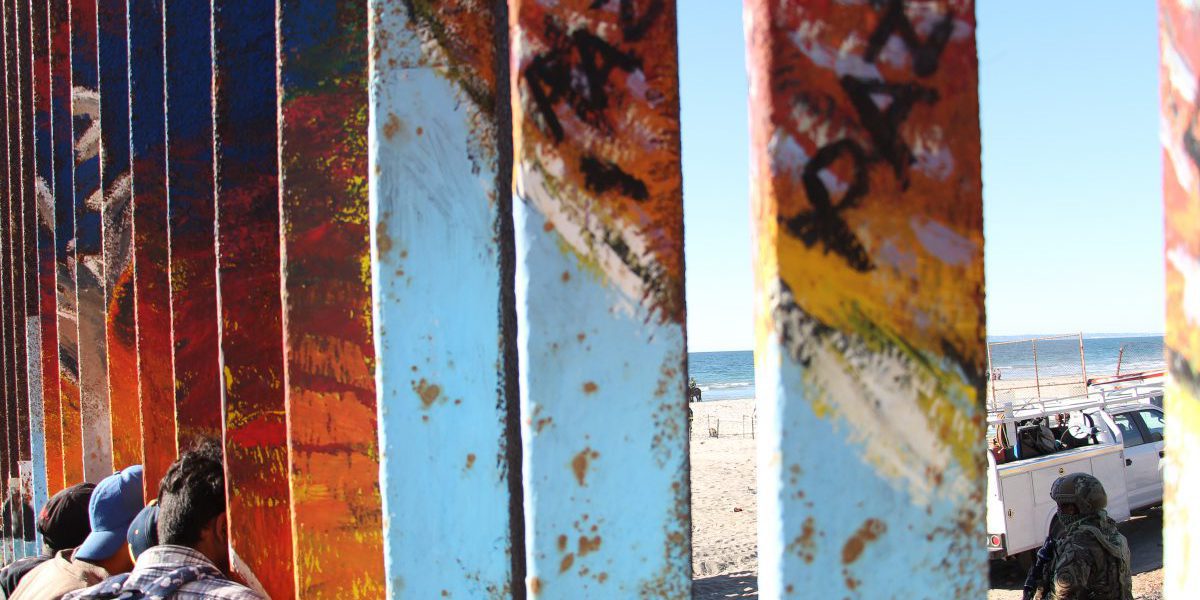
point(420, 266)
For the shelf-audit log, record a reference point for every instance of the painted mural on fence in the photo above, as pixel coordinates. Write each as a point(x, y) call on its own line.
point(47, 439)
point(116, 212)
point(31, 413)
point(248, 278)
point(440, 203)
point(190, 216)
point(329, 354)
point(11, 270)
point(89, 246)
point(64, 239)
point(1179, 40)
point(117, 236)
point(150, 252)
point(867, 200)
point(28, 256)
point(17, 99)
point(600, 296)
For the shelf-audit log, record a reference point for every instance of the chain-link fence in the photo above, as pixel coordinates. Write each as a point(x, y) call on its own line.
point(711, 426)
point(1036, 369)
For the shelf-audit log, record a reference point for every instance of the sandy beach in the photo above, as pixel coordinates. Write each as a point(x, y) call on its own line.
point(724, 509)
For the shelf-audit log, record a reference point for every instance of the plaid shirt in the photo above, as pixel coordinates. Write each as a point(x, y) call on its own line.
point(161, 560)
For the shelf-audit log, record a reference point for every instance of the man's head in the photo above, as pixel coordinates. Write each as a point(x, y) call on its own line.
point(1078, 495)
point(63, 522)
point(191, 500)
point(116, 500)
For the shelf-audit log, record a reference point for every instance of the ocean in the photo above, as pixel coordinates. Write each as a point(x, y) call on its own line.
point(730, 375)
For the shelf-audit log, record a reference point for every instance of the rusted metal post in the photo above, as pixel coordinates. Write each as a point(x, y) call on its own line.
point(45, 425)
point(116, 217)
point(248, 284)
point(151, 286)
point(870, 351)
point(600, 298)
point(190, 217)
point(64, 239)
point(329, 355)
point(89, 267)
point(1179, 85)
point(444, 318)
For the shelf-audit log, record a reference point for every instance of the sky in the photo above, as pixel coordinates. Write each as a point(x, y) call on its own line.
point(1071, 169)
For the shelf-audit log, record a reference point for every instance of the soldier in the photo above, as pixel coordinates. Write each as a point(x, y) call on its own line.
point(1089, 557)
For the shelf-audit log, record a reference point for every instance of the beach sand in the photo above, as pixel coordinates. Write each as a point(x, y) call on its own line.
point(725, 515)
point(724, 510)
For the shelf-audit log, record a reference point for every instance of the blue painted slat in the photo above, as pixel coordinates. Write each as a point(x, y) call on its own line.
point(439, 194)
point(599, 297)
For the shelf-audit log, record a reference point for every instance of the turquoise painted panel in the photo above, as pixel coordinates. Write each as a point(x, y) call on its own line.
point(438, 214)
point(599, 299)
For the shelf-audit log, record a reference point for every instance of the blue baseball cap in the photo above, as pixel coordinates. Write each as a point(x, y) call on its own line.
point(115, 502)
point(143, 532)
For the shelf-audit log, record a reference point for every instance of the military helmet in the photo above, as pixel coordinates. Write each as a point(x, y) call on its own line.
point(1081, 489)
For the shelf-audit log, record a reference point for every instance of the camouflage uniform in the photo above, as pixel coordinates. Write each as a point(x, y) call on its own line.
point(1091, 558)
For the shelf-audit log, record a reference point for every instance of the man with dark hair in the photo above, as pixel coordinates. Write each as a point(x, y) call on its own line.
point(63, 525)
point(193, 551)
point(116, 500)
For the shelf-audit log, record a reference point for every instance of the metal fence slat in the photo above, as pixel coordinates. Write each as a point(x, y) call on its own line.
point(600, 298)
point(870, 349)
point(191, 213)
point(150, 252)
point(329, 356)
point(248, 284)
point(441, 267)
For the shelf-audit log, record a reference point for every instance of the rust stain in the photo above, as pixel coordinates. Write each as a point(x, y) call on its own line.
point(548, 226)
point(384, 240)
point(535, 585)
point(582, 336)
point(587, 546)
point(870, 531)
point(429, 392)
point(562, 543)
point(590, 387)
point(602, 577)
point(805, 544)
point(470, 460)
point(391, 127)
point(566, 563)
point(579, 464)
point(566, 276)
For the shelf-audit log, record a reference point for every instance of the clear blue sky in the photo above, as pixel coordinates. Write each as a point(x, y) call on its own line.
point(1071, 168)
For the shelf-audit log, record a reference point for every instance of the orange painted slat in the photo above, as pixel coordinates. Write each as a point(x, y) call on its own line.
point(248, 280)
point(328, 348)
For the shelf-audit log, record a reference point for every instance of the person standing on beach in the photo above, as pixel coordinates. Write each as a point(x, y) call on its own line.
point(1090, 558)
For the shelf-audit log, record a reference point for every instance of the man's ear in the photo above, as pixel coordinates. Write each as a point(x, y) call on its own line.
point(220, 527)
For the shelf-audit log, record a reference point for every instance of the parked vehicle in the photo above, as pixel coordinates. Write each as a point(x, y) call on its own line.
point(1114, 432)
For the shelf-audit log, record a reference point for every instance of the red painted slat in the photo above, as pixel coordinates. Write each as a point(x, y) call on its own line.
point(251, 334)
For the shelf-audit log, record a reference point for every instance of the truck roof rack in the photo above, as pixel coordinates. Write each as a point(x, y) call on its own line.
point(1100, 398)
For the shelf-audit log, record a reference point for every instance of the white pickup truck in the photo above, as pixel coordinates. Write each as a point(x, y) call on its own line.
point(1116, 437)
